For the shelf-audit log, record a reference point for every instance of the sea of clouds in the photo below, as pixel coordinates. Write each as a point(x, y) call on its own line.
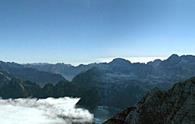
point(43, 111)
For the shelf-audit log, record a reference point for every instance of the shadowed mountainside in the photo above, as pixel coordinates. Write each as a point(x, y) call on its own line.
point(120, 79)
point(40, 77)
point(66, 70)
point(176, 106)
point(12, 87)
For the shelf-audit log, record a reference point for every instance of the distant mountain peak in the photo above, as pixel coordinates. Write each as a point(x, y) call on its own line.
point(120, 61)
point(156, 62)
point(173, 57)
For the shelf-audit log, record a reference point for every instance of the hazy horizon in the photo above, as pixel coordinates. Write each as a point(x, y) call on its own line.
point(132, 59)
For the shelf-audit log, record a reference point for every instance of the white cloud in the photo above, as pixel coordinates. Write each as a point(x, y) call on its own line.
point(42, 111)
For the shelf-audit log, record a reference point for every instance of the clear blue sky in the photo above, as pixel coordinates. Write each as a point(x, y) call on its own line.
point(81, 31)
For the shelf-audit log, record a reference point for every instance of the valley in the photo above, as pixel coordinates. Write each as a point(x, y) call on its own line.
point(118, 84)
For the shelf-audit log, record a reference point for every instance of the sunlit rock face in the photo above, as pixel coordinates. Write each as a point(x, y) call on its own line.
point(43, 111)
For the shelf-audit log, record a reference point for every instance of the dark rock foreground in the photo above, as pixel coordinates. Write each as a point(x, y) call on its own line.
point(176, 106)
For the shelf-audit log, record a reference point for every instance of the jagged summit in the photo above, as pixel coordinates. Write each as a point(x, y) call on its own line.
point(174, 57)
point(176, 106)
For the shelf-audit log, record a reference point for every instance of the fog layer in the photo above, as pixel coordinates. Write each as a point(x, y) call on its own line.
point(43, 111)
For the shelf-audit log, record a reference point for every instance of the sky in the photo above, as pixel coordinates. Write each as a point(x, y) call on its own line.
point(84, 31)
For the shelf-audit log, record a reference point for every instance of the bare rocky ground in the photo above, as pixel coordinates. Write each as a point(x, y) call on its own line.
point(176, 106)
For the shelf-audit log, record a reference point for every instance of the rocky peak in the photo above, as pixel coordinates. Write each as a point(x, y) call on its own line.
point(155, 63)
point(173, 58)
point(120, 62)
point(176, 106)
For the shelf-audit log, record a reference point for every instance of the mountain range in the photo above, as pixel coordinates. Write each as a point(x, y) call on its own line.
point(109, 84)
point(66, 70)
point(31, 74)
point(13, 87)
point(175, 68)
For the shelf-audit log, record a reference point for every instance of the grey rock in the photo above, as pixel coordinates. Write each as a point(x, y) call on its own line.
point(176, 106)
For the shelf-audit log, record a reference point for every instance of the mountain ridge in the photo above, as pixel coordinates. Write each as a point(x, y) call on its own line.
point(31, 74)
point(113, 80)
point(175, 106)
point(69, 71)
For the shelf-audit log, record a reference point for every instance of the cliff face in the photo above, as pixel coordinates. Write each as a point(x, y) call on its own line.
point(176, 106)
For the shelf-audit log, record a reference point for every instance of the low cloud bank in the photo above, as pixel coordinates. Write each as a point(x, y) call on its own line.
point(43, 111)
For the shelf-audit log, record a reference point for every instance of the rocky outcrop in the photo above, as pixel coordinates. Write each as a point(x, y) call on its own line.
point(176, 106)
